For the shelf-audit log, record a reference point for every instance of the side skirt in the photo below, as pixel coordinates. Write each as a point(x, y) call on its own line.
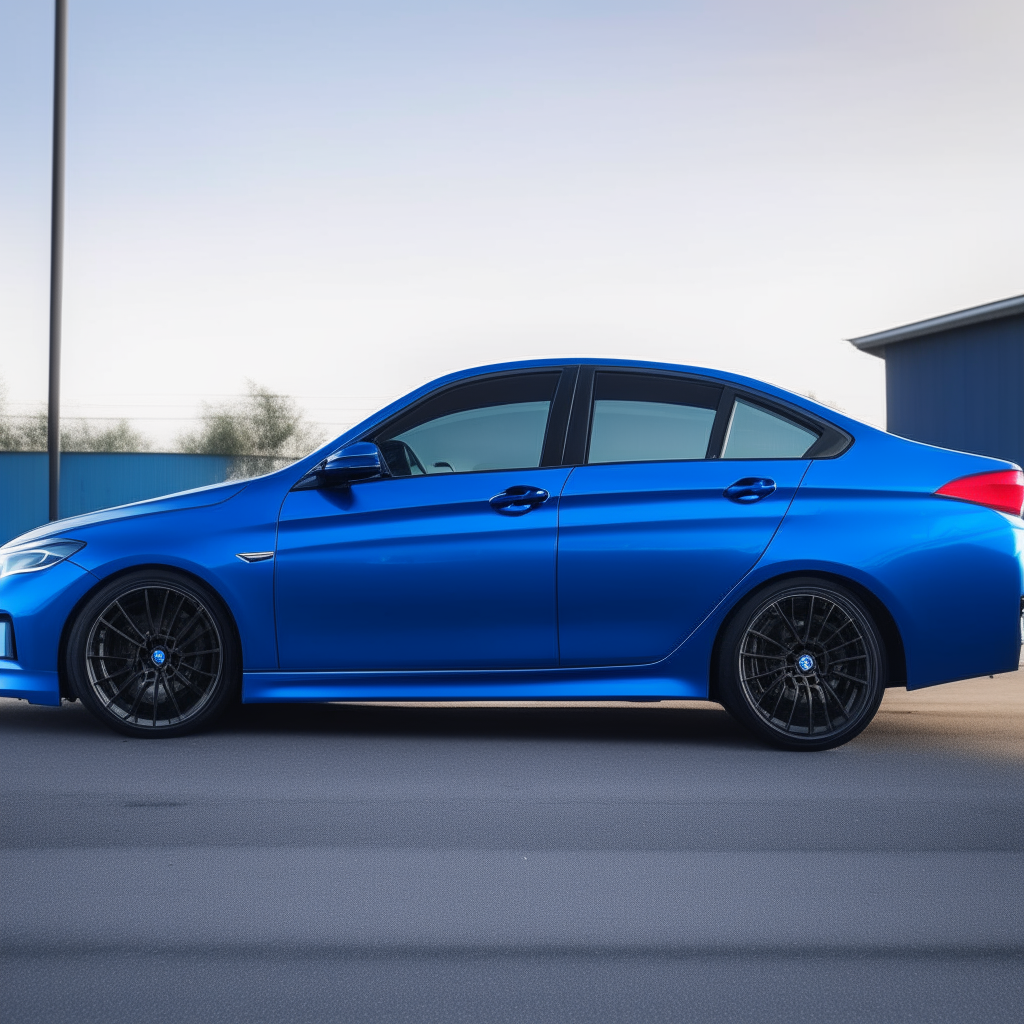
point(554, 684)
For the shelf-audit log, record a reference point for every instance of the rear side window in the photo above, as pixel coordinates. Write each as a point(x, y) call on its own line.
point(647, 418)
point(757, 433)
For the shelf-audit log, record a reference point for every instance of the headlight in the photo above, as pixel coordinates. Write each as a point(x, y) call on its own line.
point(35, 556)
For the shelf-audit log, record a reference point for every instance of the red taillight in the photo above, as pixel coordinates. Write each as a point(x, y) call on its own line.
point(1002, 490)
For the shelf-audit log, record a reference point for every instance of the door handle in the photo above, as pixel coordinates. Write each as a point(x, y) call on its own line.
point(749, 489)
point(519, 499)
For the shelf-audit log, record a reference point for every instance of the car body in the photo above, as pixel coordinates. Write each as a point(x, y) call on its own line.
point(655, 501)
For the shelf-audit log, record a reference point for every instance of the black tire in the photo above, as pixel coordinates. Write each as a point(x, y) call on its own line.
point(802, 665)
point(154, 653)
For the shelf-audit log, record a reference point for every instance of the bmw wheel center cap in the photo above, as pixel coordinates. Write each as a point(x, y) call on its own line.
point(805, 662)
point(159, 656)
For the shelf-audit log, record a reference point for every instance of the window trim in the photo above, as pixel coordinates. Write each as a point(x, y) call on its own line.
point(832, 441)
point(669, 376)
point(577, 437)
point(559, 413)
point(559, 417)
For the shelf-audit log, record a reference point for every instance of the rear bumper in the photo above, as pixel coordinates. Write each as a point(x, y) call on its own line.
point(1020, 657)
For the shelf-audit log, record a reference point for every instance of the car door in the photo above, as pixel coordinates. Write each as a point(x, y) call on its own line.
point(449, 563)
point(681, 486)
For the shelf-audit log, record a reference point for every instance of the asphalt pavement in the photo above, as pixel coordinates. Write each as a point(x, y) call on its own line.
point(534, 863)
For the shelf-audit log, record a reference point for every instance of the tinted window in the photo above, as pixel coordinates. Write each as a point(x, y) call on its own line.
point(641, 418)
point(495, 424)
point(756, 433)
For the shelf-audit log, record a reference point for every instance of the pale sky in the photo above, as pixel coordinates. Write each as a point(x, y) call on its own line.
point(342, 201)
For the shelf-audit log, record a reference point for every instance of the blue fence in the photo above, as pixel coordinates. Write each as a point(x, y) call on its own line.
point(89, 481)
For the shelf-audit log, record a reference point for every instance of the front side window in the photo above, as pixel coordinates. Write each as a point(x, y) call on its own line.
point(485, 425)
point(757, 433)
point(648, 418)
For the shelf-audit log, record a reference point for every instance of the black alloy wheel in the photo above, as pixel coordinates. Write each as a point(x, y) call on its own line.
point(153, 654)
point(802, 665)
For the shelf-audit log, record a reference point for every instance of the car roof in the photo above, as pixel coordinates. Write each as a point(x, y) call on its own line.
point(723, 376)
point(720, 376)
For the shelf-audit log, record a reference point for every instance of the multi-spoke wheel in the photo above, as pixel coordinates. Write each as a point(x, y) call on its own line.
point(152, 654)
point(802, 664)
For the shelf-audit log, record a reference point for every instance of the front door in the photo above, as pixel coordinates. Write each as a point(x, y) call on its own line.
point(447, 564)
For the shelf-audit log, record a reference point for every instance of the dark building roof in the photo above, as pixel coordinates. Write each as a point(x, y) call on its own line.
point(876, 343)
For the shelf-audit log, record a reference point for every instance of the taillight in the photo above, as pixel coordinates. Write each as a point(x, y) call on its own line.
point(1002, 490)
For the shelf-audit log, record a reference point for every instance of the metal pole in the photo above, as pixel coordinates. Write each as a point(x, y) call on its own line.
point(60, 56)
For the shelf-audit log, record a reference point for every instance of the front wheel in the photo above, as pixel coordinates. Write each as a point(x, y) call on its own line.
point(802, 665)
point(153, 654)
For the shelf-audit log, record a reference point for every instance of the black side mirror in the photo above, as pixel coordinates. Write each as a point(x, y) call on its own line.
point(360, 460)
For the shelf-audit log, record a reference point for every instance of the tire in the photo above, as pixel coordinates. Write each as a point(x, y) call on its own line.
point(802, 665)
point(154, 653)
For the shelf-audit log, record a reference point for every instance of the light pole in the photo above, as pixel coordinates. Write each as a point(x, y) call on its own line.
point(60, 57)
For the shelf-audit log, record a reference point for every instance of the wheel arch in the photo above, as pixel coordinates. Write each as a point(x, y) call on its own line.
point(895, 654)
point(64, 684)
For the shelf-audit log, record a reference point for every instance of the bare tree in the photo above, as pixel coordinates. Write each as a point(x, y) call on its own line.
point(28, 433)
point(10, 436)
point(119, 436)
point(262, 431)
point(823, 401)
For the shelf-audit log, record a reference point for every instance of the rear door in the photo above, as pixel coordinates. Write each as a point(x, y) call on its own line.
point(680, 488)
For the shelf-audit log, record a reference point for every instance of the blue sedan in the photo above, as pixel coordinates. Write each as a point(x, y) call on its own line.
point(544, 530)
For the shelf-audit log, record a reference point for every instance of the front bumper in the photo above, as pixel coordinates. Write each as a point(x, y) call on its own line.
point(35, 687)
point(38, 604)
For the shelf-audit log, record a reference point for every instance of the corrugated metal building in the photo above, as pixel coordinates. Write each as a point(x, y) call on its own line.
point(957, 380)
point(92, 480)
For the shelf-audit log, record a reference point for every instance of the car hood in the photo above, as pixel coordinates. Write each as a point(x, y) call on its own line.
point(199, 497)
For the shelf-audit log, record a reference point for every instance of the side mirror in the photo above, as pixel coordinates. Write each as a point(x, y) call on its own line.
point(360, 460)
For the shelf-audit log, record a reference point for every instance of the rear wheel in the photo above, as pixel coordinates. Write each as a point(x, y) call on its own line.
point(153, 654)
point(802, 665)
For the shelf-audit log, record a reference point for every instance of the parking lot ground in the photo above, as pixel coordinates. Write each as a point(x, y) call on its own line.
point(983, 715)
point(976, 716)
point(536, 862)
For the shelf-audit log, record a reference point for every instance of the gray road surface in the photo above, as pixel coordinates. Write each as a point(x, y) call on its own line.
point(530, 863)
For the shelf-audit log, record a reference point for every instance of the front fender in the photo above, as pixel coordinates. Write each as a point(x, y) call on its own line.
point(203, 542)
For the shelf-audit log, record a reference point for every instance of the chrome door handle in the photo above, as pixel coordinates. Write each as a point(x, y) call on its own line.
point(519, 499)
point(749, 489)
